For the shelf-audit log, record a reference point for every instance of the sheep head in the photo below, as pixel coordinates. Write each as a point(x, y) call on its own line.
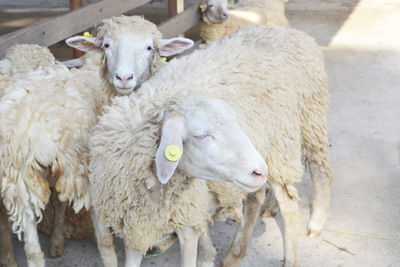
point(132, 49)
point(207, 143)
point(22, 58)
point(214, 11)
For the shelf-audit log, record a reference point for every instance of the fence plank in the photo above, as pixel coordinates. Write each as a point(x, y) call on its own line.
point(74, 4)
point(56, 29)
point(181, 22)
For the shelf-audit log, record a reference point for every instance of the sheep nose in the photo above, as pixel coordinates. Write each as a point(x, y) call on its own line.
point(225, 15)
point(124, 78)
point(260, 173)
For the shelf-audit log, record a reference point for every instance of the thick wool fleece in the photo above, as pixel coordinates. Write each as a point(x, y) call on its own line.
point(126, 192)
point(44, 137)
point(21, 59)
point(272, 76)
point(246, 13)
point(79, 225)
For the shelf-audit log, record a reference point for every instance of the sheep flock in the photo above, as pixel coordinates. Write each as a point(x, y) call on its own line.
point(121, 143)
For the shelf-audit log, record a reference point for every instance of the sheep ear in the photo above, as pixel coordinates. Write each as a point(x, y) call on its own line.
point(85, 44)
point(170, 146)
point(72, 63)
point(174, 46)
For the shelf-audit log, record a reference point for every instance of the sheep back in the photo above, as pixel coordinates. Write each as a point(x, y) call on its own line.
point(263, 12)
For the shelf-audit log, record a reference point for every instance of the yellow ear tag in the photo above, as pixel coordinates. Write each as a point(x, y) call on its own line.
point(173, 153)
point(87, 34)
point(201, 6)
point(164, 59)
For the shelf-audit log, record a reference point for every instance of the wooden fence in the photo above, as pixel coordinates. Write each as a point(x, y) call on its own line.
point(56, 29)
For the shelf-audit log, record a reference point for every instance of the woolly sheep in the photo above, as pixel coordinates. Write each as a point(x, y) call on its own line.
point(274, 80)
point(216, 23)
point(19, 60)
point(119, 33)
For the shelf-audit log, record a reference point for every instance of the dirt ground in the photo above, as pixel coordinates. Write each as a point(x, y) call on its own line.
point(361, 42)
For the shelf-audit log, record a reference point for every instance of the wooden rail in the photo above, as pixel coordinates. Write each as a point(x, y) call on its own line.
point(181, 23)
point(56, 29)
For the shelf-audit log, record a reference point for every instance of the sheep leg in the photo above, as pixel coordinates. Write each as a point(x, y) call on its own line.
point(105, 241)
point(251, 210)
point(7, 258)
point(34, 254)
point(321, 199)
point(271, 207)
point(316, 144)
point(132, 257)
point(57, 236)
point(291, 220)
point(188, 240)
point(207, 251)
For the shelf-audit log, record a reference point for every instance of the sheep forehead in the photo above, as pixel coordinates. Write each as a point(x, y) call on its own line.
point(117, 27)
point(214, 112)
point(130, 41)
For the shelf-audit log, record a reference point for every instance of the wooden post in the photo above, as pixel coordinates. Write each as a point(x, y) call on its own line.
point(73, 4)
point(172, 4)
point(175, 7)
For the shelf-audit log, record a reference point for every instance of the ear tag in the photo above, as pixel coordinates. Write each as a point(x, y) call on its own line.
point(203, 7)
point(164, 59)
point(173, 153)
point(87, 34)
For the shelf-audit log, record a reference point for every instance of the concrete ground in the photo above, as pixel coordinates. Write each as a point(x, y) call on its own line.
point(361, 41)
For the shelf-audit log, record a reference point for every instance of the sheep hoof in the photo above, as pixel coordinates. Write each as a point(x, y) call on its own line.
point(230, 261)
point(313, 229)
point(267, 213)
point(56, 250)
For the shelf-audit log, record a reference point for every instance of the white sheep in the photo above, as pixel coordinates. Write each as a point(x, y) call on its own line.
point(217, 21)
point(19, 60)
point(273, 79)
point(45, 129)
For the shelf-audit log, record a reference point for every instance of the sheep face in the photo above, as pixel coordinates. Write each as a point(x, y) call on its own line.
point(212, 146)
point(132, 48)
point(128, 61)
point(214, 11)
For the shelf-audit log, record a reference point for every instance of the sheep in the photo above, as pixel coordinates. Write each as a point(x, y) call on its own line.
point(20, 59)
point(273, 79)
point(217, 21)
point(56, 156)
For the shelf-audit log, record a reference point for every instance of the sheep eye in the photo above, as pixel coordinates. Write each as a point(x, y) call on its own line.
point(210, 6)
point(106, 45)
point(149, 48)
point(202, 136)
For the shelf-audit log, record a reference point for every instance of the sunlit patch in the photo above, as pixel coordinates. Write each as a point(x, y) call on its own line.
point(246, 15)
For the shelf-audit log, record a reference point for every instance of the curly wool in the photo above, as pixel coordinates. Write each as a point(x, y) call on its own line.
point(143, 210)
point(44, 136)
point(270, 75)
point(21, 59)
point(246, 13)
